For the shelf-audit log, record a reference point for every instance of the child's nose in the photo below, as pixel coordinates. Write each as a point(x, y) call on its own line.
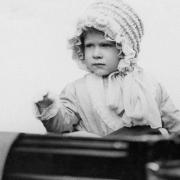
point(97, 53)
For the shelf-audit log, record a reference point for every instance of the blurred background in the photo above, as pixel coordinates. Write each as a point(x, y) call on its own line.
point(34, 55)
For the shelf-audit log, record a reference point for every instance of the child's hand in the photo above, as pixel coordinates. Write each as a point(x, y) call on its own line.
point(46, 106)
point(45, 102)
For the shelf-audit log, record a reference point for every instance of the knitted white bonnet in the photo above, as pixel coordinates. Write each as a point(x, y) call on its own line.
point(119, 22)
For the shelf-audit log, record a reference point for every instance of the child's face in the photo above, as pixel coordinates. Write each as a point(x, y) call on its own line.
point(101, 55)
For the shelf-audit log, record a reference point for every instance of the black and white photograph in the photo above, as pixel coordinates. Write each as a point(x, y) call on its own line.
point(89, 90)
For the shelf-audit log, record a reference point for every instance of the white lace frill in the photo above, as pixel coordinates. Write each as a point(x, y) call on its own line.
point(124, 101)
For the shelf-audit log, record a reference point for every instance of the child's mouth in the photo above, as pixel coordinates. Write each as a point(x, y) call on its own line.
point(98, 64)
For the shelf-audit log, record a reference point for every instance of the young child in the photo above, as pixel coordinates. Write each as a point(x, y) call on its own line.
point(115, 93)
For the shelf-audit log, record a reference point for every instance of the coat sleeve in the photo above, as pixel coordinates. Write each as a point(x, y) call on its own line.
point(62, 116)
point(170, 115)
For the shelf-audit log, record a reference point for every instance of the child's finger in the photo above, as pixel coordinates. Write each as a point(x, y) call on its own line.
point(46, 96)
point(38, 95)
point(51, 96)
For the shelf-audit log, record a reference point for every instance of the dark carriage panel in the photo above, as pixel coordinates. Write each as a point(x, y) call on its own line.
point(53, 157)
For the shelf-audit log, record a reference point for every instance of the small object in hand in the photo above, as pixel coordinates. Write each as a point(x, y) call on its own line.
point(44, 103)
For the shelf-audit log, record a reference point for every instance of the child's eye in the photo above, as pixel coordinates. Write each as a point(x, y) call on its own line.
point(106, 45)
point(88, 45)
